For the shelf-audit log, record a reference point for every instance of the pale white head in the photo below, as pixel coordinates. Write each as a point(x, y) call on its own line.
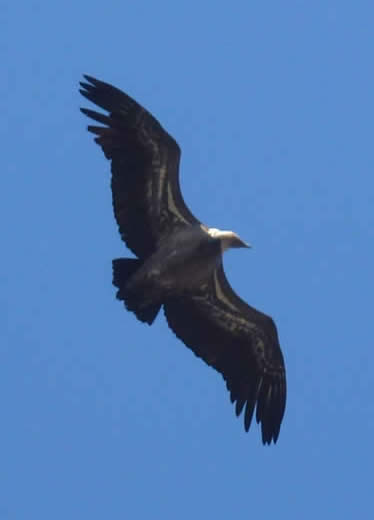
point(228, 238)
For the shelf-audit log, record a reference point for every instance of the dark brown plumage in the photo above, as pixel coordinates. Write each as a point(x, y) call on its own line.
point(179, 261)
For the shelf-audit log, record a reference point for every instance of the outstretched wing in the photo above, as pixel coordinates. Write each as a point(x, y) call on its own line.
point(241, 343)
point(147, 200)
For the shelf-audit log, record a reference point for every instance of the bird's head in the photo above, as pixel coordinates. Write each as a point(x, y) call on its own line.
point(228, 239)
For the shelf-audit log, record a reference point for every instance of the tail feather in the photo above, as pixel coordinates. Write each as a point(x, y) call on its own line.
point(134, 300)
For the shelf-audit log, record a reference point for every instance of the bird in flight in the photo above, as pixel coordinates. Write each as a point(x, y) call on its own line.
point(178, 264)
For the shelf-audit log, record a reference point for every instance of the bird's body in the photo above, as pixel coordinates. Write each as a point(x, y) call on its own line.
point(179, 261)
point(176, 266)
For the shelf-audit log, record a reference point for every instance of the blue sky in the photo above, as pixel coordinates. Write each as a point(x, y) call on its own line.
point(272, 104)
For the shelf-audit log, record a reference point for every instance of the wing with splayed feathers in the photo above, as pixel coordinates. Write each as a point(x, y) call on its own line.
point(242, 344)
point(147, 200)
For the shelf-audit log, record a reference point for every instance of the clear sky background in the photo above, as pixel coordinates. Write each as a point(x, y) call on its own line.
point(272, 104)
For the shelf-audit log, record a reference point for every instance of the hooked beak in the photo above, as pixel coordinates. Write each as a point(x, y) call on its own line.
point(240, 243)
